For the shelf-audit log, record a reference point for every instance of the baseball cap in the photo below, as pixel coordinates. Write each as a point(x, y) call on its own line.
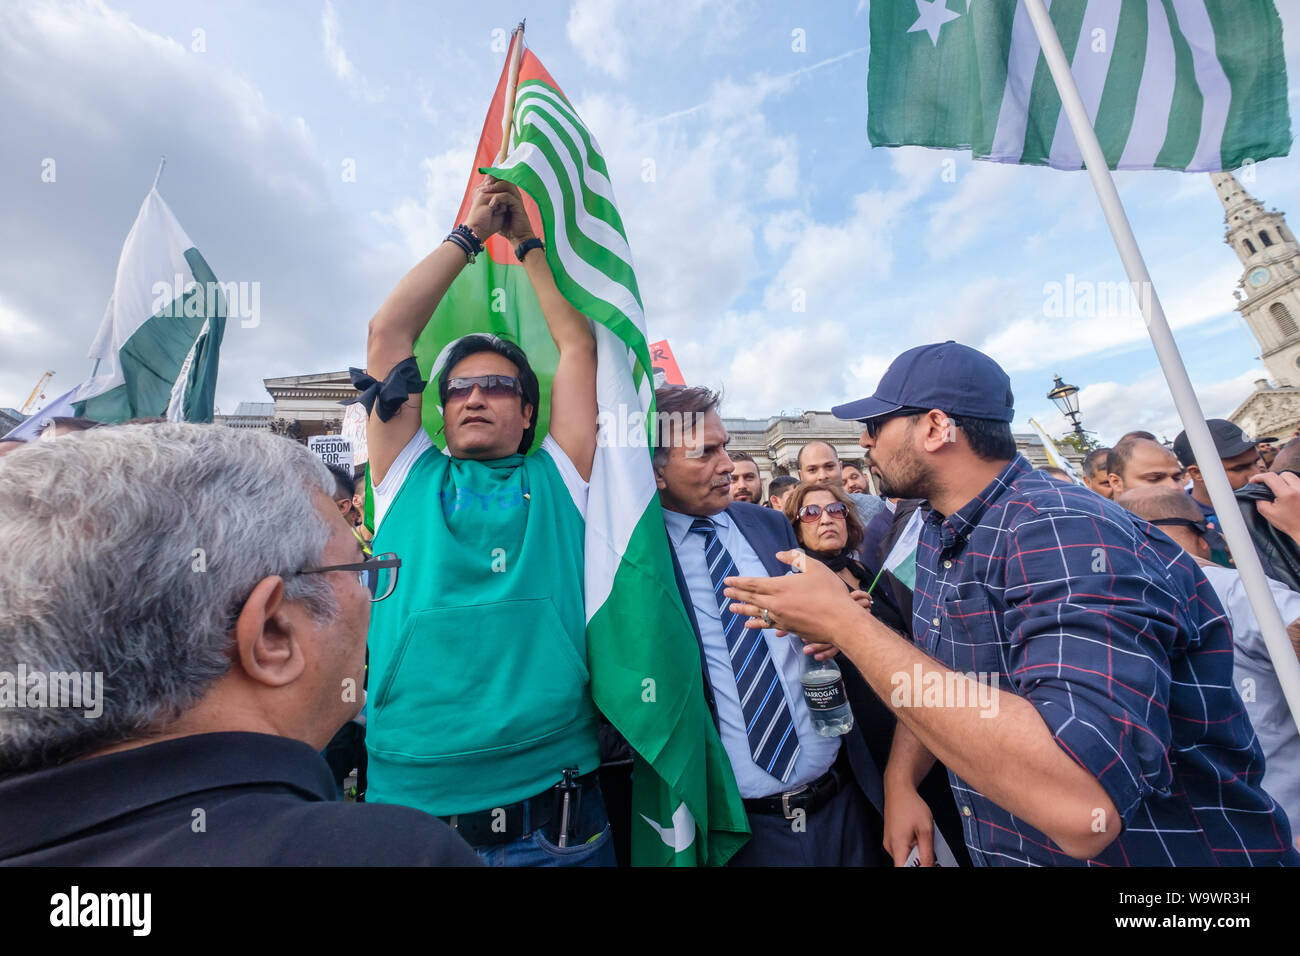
point(1229, 441)
point(953, 378)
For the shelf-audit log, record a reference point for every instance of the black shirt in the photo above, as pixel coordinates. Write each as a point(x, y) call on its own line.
point(227, 799)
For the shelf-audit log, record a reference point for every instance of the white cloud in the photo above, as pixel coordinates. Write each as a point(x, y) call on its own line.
point(335, 55)
point(1112, 409)
point(1034, 340)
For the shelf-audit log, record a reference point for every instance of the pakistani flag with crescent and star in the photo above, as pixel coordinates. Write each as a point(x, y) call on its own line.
point(157, 348)
point(1195, 85)
point(644, 661)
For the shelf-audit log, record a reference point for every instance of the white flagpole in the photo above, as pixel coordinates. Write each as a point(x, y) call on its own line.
point(1247, 561)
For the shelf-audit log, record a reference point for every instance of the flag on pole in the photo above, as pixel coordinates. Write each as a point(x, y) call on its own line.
point(1196, 85)
point(1054, 455)
point(642, 654)
point(156, 350)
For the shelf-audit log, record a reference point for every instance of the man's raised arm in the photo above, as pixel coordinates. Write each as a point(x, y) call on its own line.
point(401, 319)
point(573, 391)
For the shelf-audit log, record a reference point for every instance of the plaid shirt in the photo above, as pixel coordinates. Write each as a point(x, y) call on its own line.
point(1114, 635)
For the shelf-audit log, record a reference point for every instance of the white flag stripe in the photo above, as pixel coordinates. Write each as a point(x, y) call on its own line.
point(154, 252)
point(597, 182)
point(1150, 126)
point(176, 404)
point(622, 484)
point(1013, 115)
point(1194, 20)
point(595, 228)
point(593, 280)
point(1090, 69)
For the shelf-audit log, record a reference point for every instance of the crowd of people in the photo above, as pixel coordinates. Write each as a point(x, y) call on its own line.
point(1040, 671)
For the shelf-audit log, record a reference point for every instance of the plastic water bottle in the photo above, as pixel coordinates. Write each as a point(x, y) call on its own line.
point(823, 690)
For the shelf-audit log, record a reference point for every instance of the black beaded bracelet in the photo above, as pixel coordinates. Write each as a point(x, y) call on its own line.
point(464, 237)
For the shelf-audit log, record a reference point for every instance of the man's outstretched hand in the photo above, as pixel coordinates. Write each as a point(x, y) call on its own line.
point(815, 605)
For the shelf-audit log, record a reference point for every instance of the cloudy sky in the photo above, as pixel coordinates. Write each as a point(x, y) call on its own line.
point(740, 162)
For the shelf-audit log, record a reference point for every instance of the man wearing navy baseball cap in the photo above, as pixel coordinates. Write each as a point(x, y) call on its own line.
point(1070, 664)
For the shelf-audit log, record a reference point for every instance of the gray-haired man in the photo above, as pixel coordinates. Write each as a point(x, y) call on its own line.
point(192, 657)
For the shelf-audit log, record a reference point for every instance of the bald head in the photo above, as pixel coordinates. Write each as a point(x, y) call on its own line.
point(819, 464)
point(1288, 457)
point(1156, 503)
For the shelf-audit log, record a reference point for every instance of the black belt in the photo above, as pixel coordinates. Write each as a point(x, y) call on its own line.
point(809, 798)
point(506, 824)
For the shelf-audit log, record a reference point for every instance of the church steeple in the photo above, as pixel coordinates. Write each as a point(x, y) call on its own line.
point(1269, 292)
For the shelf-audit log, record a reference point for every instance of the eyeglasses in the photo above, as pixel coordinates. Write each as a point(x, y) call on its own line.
point(873, 425)
point(810, 513)
point(493, 386)
point(377, 574)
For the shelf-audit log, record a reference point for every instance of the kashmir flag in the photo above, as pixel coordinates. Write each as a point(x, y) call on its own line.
point(156, 350)
point(642, 654)
point(1054, 455)
point(1196, 85)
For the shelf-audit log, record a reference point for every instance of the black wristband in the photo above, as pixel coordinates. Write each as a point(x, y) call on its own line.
point(527, 246)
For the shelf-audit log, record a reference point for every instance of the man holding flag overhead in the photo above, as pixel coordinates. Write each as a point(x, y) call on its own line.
point(482, 713)
point(518, 550)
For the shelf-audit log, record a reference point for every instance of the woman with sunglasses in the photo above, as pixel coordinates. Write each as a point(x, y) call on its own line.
point(828, 528)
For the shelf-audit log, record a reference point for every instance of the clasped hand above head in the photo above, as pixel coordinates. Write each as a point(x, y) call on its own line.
point(498, 207)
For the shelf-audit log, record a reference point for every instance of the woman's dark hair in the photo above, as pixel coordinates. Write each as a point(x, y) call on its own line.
point(532, 391)
point(854, 529)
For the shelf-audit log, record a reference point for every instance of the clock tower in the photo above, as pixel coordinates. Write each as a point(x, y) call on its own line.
point(1268, 296)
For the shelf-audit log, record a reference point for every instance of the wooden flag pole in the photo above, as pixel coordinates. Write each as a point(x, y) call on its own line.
point(508, 116)
point(1244, 555)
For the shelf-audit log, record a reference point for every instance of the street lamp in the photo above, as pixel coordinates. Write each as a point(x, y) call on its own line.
point(1066, 398)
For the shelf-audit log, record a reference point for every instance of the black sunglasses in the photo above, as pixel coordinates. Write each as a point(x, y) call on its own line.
point(873, 425)
point(493, 386)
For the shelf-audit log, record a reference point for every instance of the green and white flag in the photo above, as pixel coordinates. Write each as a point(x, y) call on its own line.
point(1196, 85)
point(901, 560)
point(156, 351)
point(642, 655)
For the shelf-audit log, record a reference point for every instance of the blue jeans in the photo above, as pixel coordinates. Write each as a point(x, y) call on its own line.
point(534, 849)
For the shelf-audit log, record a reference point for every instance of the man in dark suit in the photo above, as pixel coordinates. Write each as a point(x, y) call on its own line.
point(811, 800)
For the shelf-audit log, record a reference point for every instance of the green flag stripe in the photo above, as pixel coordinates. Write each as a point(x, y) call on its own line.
point(1119, 99)
point(1044, 100)
point(991, 29)
point(604, 244)
point(1185, 110)
point(1256, 68)
point(537, 90)
point(585, 255)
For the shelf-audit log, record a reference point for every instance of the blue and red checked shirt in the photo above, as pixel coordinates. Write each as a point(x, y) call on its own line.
point(1112, 632)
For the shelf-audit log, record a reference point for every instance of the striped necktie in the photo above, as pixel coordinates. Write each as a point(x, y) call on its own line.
point(772, 741)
